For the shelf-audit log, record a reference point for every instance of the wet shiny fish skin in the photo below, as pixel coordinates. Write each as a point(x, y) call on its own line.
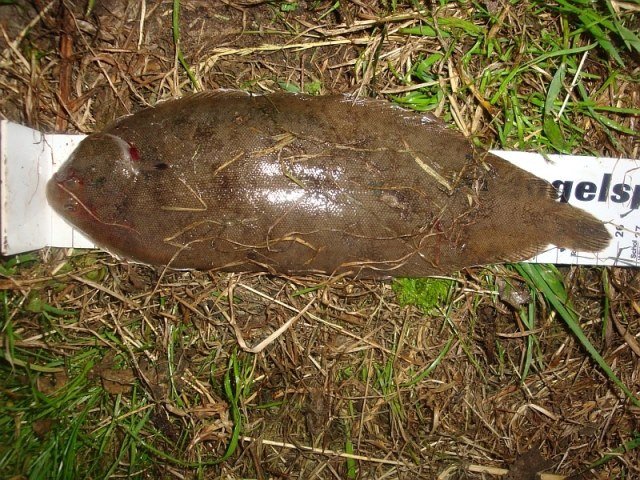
point(297, 184)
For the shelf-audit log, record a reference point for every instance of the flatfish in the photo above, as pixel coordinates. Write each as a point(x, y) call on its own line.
point(297, 184)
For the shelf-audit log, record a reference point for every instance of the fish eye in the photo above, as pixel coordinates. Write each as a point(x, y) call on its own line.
point(69, 177)
point(71, 206)
point(73, 182)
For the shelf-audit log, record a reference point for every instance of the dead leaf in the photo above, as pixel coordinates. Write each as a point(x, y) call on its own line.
point(528, 465)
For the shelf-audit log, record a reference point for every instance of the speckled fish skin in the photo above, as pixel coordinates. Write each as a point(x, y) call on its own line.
point(297, 184)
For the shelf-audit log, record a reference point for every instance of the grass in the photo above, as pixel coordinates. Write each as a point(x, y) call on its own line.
point(420, 378)
point(553, 58)
point(49, 433)
point(235, 387)
point(175, 28)
point(548, 281)
point(605, 24)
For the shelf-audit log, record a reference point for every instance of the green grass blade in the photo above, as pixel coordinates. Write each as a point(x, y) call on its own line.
point(545, 56)
point(554, 133)
point(626, 447)
point(554, 88)
point(352, 465)
point(528, 318)
point(630, 39)
point(233, 390)
point(607, 122)
point(432, 366)
point(176, 41)
point(90, 6)
point(422, 31)
point(600, 35)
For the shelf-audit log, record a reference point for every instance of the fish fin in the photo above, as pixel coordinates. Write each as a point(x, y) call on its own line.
point(570, 227)
point(525, 254)
point(538, 186)
point(410, 117)
point(574, 228)
point(536, 221)
point(207, 94)
point(579, 230)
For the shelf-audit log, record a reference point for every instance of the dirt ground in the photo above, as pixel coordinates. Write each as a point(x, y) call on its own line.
point(362, 385)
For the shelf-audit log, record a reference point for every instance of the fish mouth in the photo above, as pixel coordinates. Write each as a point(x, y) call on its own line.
point(60, 194)
point(65, 193)
point(61, 199)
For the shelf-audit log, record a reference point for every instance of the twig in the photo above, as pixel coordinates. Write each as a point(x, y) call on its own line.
point(323, 451)
point(574, 82)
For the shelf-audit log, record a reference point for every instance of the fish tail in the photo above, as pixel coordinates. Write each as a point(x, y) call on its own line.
point(573, 228)
point(579, 230)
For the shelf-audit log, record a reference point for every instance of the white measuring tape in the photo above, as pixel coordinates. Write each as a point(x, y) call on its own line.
point(608, 188)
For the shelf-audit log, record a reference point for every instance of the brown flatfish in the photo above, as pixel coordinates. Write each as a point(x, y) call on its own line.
point(299, 184)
